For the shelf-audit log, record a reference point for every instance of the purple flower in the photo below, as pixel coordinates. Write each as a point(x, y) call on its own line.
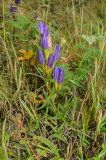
point(44, 41)
point(41, 57)
point(43, 28)
point(51, 61)
point(57, 52)
point(58, 75)
point(61, 75)
point(12, 10)
point(40, 27)
point(17, 1)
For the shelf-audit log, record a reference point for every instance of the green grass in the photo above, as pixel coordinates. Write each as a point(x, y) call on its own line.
point(36, 122)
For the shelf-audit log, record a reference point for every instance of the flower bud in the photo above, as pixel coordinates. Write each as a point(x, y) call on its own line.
point(43, 28)
point(41, 57)
point(44, 41)
point(17, 1)
point(12, 10)
point(61, 75)
point(40, 27)
point(51, 61)
point(58, 75)
point(57, 52)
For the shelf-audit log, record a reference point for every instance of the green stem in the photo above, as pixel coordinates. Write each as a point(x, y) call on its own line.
point(3, 21)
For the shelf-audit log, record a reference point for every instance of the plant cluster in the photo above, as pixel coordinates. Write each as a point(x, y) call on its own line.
point(45, 56)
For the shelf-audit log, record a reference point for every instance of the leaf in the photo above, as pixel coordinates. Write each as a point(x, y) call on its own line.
point(2, 154)
point(104, 147)
point(42, 152)
point(31, 158)
point(20, 22)
point(89, 38)
point(4, 149)
point(27, 54)
point(27, 109)
point(20, 58)
point(52, 148)
point(57, 158)
point(59, 137)
point(33, 61)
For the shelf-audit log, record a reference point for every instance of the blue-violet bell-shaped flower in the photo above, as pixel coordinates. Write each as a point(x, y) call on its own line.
point(57, 52)
point(61, 75)
point(40, 27)
point(17, 1)
point(51, 60)
point(41, 57)
point(44, 41)
point(43, 28)
point(58, 75)
point(12, 10)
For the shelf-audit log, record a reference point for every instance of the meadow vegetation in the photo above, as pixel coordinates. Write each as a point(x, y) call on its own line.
point(39, 118)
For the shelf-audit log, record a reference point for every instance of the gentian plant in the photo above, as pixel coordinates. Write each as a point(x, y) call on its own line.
point(49, 59)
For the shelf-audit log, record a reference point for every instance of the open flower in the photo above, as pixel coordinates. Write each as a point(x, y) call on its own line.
point(57, 52)
point(58, 75)
point(41, 57)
